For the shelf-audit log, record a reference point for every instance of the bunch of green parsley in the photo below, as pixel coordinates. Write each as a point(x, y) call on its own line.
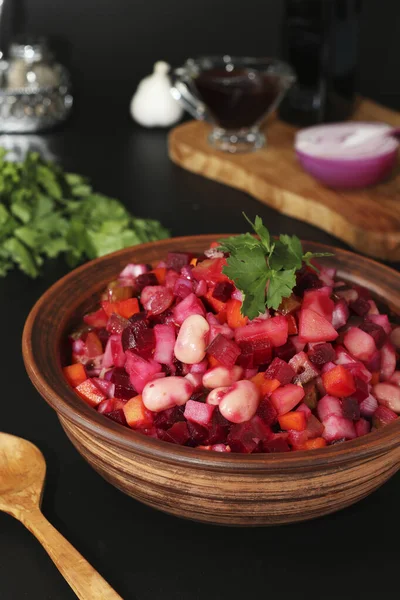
point(46, 212)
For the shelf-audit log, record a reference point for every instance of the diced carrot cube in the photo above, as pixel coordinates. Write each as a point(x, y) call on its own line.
point(75, 374)
point(136, 414)
point(269, 386)
point(313, 444)
point(90, 393)
point(160, 273)
point(221, 317)
point(193, 262)
point(258, 380)
point(235, 318)
point(213, 362)
point(109, 307)
point(93, 345)
point(339, 382)
point(96, 319)
point(294, 420)
point(217, 305)
point(129, 307)
point(214, 244)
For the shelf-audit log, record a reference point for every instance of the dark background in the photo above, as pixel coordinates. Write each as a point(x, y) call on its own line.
point(146, 555)
point(110, 44)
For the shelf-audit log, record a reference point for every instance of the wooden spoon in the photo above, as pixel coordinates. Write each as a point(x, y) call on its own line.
point(22, 474)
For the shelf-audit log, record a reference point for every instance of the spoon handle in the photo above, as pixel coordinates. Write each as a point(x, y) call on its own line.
point(86, 582)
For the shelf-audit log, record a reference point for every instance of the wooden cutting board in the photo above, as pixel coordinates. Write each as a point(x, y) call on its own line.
point(367, 219)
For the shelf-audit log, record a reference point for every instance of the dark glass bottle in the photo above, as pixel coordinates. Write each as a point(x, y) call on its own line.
point(320, 39)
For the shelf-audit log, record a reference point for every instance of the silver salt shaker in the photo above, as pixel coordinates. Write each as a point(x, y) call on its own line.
point(35, 90)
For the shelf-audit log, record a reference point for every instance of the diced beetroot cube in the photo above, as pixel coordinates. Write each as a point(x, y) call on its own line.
point(360, 344)
point(315, 328)
point(199, 412)
point(388, 361)
point(224, 350)
point(191, 305)
point(362, 389)
point(280, 370)
point(320, 386)
point(340, 314)
point(351, 408)
point(376, 331)
point(357, 369)
point(140, 370)
point(383, 321)
point(338, 428)
point(382, 416)
point(165, 336)
point(223, 291)
point(116, 324)
point(388, 395)
point(177, 434)
point(306, 280)
point(144, 280)
point(182, 288)
point(368, 406)
point(320, 302)
point(241, 438)
point(137, 324)
point(260, 350)
point(327, 406)
point(314, 427)
point(288, 350)
point(117, 416)
point(321, 353)
point(360, 306)
point(285, 398)
point(303, 368)
point(267, 412)
point(276, 444)
point(166, 418)
point(297, 343)
point(305, 409)
point(362, 427)
point(177, 260)
point(339, 382)
point(275, 329)
point(217, 431)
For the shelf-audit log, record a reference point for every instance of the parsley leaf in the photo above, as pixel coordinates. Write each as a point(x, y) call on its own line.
point(262, 269)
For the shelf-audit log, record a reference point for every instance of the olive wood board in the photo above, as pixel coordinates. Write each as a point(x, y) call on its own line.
point(367, 219)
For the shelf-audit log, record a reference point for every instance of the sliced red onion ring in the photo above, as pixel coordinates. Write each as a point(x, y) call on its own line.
point(347, 154)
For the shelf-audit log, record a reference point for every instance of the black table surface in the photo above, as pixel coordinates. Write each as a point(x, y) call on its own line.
point(143, 553)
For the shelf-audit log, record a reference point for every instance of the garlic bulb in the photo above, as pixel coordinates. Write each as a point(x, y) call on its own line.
point(152, 105)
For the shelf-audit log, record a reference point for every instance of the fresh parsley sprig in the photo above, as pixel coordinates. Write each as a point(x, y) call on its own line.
point(263, 268)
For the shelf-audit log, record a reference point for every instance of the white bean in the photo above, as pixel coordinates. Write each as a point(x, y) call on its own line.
point(221, 376)
point(216, 395)
point(161, 394)
point(190, 346)
point(240, 403)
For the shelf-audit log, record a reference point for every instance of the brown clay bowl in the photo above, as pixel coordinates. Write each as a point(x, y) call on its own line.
point(229, 489)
